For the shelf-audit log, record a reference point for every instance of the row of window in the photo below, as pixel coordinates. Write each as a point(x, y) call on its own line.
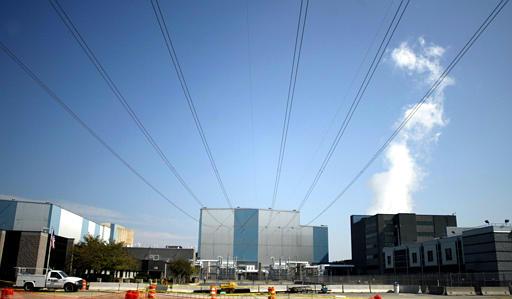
point(430, 256)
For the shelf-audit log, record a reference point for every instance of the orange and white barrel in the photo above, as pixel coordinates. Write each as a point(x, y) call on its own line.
point(152, 291)
point(213, 292)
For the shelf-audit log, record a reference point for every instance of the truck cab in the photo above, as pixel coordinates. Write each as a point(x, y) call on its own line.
point(55, 280)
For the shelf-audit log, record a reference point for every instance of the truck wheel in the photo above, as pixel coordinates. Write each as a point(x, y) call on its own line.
point(28, 286)
point(69, 287)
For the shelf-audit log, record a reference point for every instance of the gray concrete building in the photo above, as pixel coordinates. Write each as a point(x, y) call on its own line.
point(488, 249)
point(19, 214)
point(154, 262)
point(370, 234)
point(260, 237)
point(484, 250)
point(25, 227)
point(30, 249)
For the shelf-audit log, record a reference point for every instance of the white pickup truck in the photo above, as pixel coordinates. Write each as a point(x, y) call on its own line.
point(53, 279)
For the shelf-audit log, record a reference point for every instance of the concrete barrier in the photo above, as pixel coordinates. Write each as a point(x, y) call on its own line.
point(356, 288)
point(163, 288)
point(183, 288)
point(455, 291)
point(495, 291)
point(435, 290)
point(335, 288)
point(116, 286)
point(409, 289)
point(381, 288)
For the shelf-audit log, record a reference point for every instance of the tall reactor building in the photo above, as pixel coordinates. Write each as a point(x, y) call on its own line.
point(260, 237)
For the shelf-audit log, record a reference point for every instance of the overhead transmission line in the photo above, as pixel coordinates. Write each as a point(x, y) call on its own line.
point(347, 91)
point(490, 18)
point(299, 37)
point(397, 17)
point(117, 93)
point(186, 91)
point(66, 19)
point(82, 123)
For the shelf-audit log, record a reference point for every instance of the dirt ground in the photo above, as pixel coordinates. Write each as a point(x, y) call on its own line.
point(19, 294)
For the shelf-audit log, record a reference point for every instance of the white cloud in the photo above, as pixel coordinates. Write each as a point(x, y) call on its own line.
point(393, 188)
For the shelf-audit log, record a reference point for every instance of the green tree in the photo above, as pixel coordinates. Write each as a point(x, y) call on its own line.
point(180, 270)
point(98, 255)
point(89, 255)
point(118, 259)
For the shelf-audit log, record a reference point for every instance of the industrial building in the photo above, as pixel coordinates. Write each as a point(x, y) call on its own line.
point(24, 215)
point(25, 227)
point(485, 249)
point(261, 238)
point(154, 262)
point(370, 234)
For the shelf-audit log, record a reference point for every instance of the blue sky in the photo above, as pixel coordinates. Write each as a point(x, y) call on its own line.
point(235, 71)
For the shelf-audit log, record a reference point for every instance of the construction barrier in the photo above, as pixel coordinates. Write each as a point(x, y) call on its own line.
point(271, 293)
point(410, 289)
point(381, 288)
point(454, 291)
point(152, 291)
point(116, 286)
point(356, 288)
point(495, 291)
point(435, 290)
point(213, 292)
point(131, 295)
point(7, 293)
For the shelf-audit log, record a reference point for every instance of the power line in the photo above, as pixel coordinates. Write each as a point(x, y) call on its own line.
point(120, 97)
point(357, 99)
point(177, 67)
point(77, 118)
point(66, 19)
point(299, 37)
point(345, 96)
point(418, 105)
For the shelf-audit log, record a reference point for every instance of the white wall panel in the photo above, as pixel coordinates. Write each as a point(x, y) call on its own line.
point(105, 233)
point(70, 225)
point(91, 229)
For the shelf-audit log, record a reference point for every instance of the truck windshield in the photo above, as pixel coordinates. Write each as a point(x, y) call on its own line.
point(63, 274)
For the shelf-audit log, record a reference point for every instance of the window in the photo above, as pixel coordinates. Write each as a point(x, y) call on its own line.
point(154, 257)
point(414, 258)
point(55, 275)
point(424, 223)
point(389, 259)
point(448, 254)
point(430, 256)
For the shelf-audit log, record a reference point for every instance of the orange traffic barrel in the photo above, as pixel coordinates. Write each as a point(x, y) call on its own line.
point(213, 292)
point(131, 295)
point(7, 293)
point(152, 291)
point(84, 284)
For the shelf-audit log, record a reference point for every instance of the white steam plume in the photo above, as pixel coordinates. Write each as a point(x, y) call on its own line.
point(394, 187)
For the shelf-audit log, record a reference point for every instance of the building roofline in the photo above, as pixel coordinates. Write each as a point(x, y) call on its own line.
point(388, 214)
point(14, 198)
point(255, 209)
